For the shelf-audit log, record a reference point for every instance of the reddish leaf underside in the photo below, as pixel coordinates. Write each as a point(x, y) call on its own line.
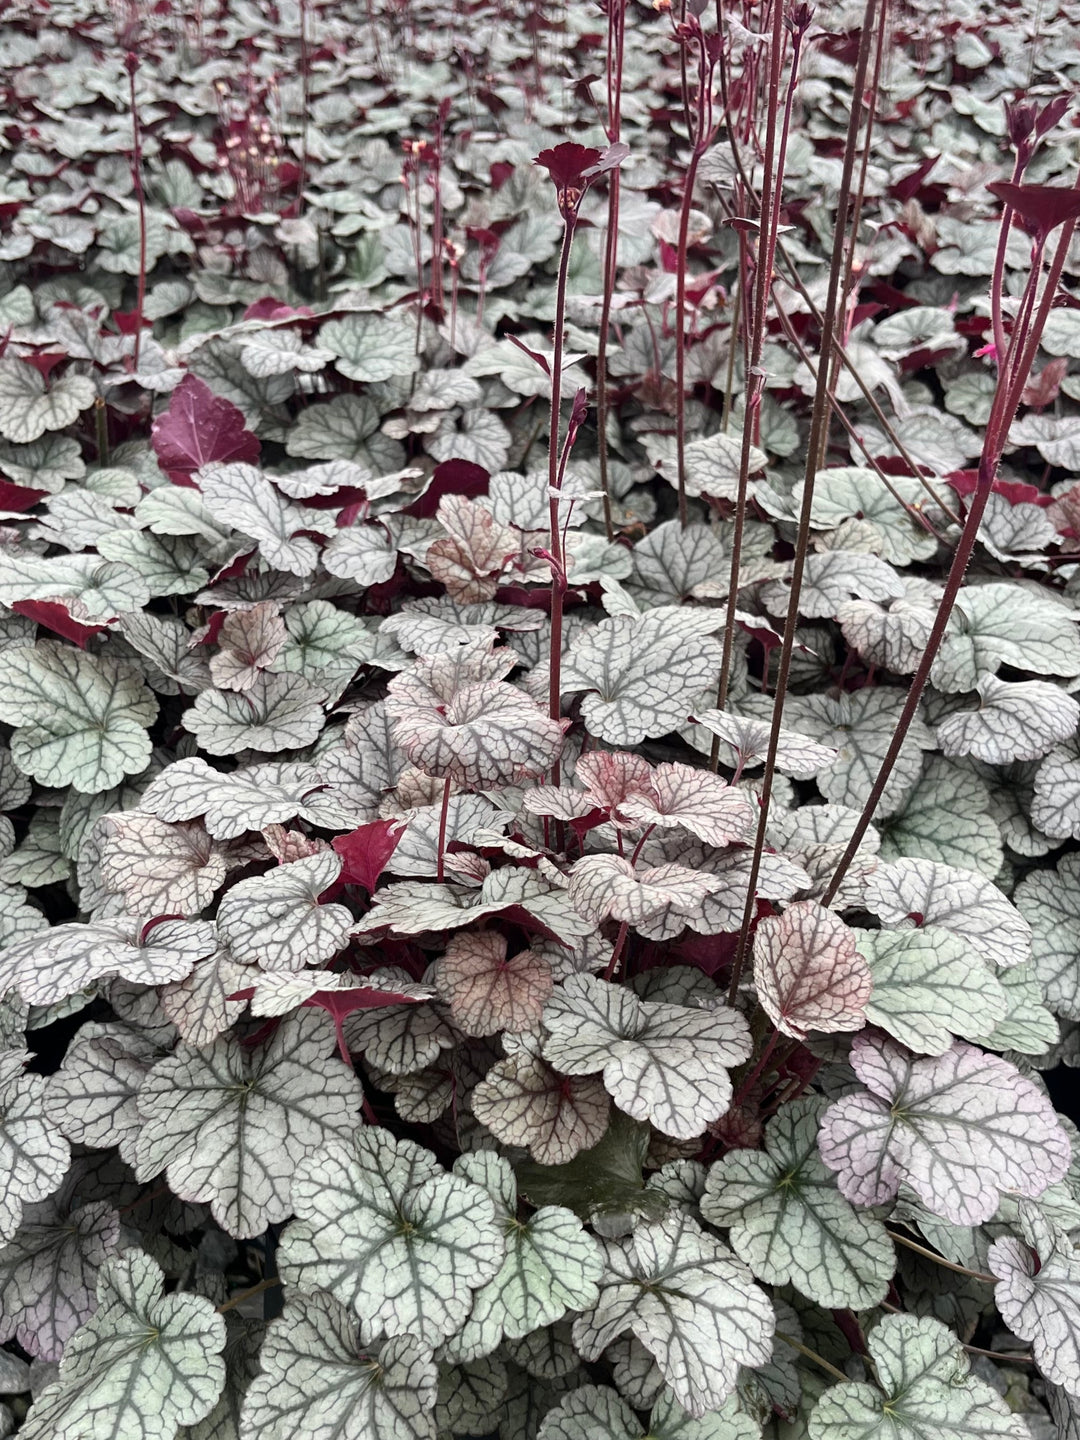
point(200, 428)
point(366, 851)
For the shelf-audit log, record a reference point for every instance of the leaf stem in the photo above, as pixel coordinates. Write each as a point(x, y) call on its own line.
point(928, 1254)
point(259, 1289)
point(616, 954)
point(558, 561)
point(826, 1365)
point(444, 815)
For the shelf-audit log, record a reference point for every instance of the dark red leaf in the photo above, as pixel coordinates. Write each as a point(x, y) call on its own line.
point(452, 477)
point(1041, 208)
point(18, 497)
point(340, 1004)
point(55, 618)
point(568, 164)
point(366, 851)
point(200, 428)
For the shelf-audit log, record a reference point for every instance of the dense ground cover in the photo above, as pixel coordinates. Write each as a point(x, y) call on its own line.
point(503, 933)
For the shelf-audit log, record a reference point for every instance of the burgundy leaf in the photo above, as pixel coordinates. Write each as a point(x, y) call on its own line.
point(54, 617)
point(366, 851)
point(569, 163)
point(1041, 208)
point(200, 428)
point(452, 477)
point(18, 497)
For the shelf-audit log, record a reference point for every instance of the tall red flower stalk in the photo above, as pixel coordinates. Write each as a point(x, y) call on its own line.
point(756, 315)
point(702, 124)
point(131, 65)
point(616, 36)
point(818, 421)
point(572, 169)
point(1043, 208)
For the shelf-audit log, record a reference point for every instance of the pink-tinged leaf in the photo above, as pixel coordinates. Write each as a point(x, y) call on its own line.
point(808, 973)
point(486, 991)
point(200, 428)
point(957, 1128)
point(1038, 1295)
point(488, 735)
point(698, 801)
point(289, 845)
point(251, 640)
point(470, 557)
point(365, 852)
point(524, 1101)
point(607, 885)
point(55, 617)
point(611, 777)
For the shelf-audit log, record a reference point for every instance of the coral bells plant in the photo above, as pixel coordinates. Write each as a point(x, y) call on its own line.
point(539, 757)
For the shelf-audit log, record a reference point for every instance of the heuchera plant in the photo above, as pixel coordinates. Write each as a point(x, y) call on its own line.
point(539, 883)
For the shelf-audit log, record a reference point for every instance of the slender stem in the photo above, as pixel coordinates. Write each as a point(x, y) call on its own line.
point(249, 1294)
point(1000, 1355)
point(940, 1259)
point(817, 422)
point(826, 1365)
point(680, 329)
point(611, 252)
point(771, 197)
point(915, 515)
point(305, 98)
point(616, 954)
point(757, 1071)
point(616, 36)
point(1016, 366)
point(101, 430)
point(558, 563)
point(444, 816)
point(136, 175)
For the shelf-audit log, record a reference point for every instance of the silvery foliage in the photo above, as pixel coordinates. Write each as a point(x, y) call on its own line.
point(367, 1062)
